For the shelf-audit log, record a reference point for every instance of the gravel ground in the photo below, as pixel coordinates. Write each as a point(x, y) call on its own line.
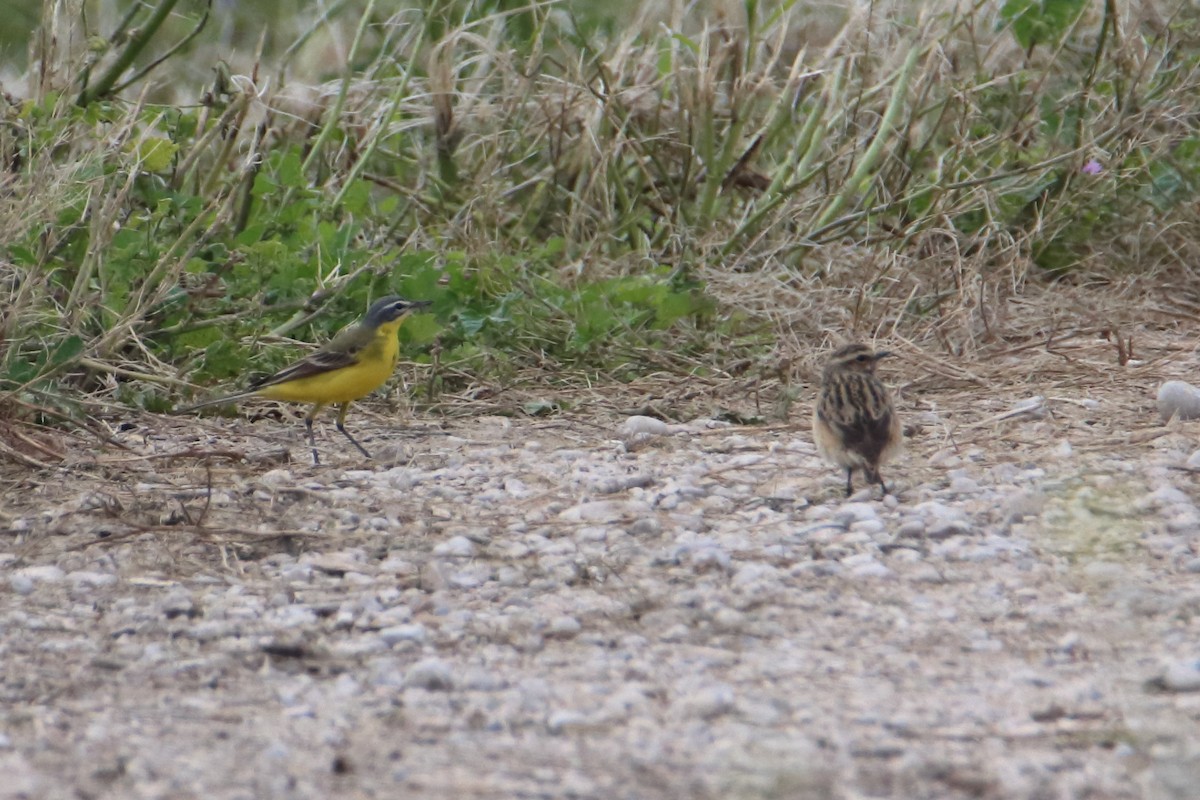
point(510, 608)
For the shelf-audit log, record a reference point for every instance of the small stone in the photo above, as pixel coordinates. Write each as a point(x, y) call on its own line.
point(1177, 676)
point(392, 616)
point(753, 573)
point(868, 527)
point(468, 579)
point(396, 565)
point(297, 573)
point(640, 425)
point(603, 511)
point(926, 573)
point(962, 484)
point(455, 547)
point(711, 558)
point(86, 578)
point(1162, 497)
point(433, 576)
point(1104, 572)
point(430, 674)
point(1178, 399)
point(932, 509)
point(945, 458)
point(1193, 461)
point(277, 479)
point(22, 779)
point(729, 620)
point(1029, 408)
point(646, 526)
point(864, 565)
point(1023, 504)
point(710, 701)
point(592, 533)
point(849, 513)
point(42, 574)
point(819, 569)
point(21, 584)
point(622, 484)
point(564, 627)
point(402, 633)
point(1186, 522)
point(944, 529)
point(511, 576)
point(561, 722)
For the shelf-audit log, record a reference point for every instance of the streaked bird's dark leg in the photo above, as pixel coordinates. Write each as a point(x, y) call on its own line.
point(876, 477)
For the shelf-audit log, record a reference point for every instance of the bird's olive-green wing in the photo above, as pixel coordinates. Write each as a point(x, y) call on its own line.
point(342, 351)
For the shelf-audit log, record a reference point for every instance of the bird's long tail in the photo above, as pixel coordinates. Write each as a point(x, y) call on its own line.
point(216, 401)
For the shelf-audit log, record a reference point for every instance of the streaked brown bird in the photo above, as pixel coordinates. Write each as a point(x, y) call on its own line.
point(854, 422)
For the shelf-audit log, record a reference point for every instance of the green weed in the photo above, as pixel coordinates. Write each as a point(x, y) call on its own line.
point(577, 191)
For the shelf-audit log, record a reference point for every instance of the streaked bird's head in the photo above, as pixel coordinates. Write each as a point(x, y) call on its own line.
point(854, 358)
point(391, 309)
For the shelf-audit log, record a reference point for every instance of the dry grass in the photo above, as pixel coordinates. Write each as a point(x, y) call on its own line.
point(823, 174)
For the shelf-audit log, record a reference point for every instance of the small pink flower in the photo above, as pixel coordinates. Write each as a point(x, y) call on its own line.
point(1092, 167)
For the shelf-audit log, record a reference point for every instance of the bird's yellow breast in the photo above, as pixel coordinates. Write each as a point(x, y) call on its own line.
point(374, 365)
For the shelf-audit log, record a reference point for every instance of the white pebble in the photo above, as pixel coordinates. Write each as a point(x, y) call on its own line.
point(277, 478)
point(1104, 571)
point(91, 579)
point(754, 573)
point(848, 513)
point(21, 584)
point(710, 701)
point(431, 674)
point(869, 527)
point(455, 547)
point(604, 511)
point(563, 627)
point(710, 558)
point(961, 484)
point(1179, 676)
point(636, 425)
point(402, 633)
point(42, 573)
point(561, 722)
point(1178, 399)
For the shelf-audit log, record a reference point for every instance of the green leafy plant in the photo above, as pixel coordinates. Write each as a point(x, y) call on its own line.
point(580, 192)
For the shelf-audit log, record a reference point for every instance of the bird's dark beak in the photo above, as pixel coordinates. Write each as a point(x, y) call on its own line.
point(883, 354)
point(414, 305)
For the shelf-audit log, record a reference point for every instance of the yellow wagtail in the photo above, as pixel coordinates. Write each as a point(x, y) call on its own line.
point(354, 363)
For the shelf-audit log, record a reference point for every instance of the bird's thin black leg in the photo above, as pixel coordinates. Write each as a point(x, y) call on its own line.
point(308, 426)
point(849, 481)
point(882, 485)
point(341, 426)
